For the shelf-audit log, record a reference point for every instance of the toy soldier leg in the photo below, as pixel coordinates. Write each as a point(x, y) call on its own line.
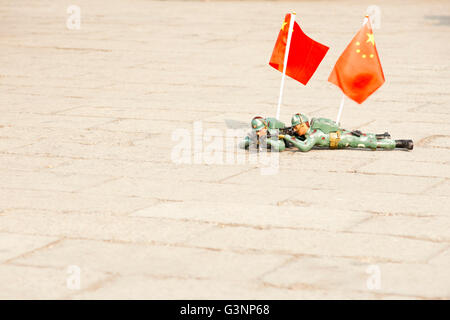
point(379, 136)
point(391, 144)
point(407, 144)
point(386, 144)
point(374, 141)
point(363, 141)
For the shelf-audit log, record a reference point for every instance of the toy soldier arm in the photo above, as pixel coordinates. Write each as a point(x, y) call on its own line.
point(244, 144)
point(276, 145)
point(301, 145)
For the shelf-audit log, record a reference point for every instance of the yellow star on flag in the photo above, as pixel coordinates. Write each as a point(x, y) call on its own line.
point(284, 23)
point(370, 38)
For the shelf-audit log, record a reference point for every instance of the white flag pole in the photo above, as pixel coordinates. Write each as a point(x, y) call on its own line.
point(366, 18)
point(286, 55)
point(340, 109)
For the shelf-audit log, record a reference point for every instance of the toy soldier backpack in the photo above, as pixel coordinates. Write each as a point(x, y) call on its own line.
point(273, 123)
point(324, 125)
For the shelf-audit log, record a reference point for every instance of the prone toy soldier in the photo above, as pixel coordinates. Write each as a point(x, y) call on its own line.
point(324, 132)
point(265, 132)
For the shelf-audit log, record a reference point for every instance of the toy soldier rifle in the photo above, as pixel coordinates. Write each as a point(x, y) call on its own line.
point(287, 130)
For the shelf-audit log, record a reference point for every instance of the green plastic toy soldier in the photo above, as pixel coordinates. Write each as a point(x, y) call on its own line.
point(265, 133)
point(323, 132)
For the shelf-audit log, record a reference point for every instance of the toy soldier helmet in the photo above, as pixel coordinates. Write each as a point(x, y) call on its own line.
point(298, 118)
point(258, 123)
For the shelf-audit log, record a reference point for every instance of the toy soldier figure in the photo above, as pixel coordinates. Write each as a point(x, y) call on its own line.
point(264, 132)
point(323, 132)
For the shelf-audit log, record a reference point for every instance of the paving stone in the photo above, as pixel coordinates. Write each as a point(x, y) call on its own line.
point(432, 228)
point(384, 203)
point(442, 259)
point(102, 227)
point(157, 288)
point(424, 169)
point(50, 181)
point(14, 245)
point(385, 279)
point(26, 282)
point(305, 242)
point(295, 214)
point(29, 200)
point(158, 261)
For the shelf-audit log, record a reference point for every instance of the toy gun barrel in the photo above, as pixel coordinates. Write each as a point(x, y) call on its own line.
point(287, 130)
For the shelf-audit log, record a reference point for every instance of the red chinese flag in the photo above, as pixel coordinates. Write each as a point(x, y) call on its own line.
point(358, 70)
point(305, 54)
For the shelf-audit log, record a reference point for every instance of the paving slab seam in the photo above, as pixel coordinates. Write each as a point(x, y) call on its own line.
point(28, 253)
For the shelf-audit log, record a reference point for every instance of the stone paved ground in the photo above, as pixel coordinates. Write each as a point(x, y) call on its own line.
point(87, 177)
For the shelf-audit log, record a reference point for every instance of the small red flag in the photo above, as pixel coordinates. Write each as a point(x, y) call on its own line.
point(305, 54)
point(358, 70)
